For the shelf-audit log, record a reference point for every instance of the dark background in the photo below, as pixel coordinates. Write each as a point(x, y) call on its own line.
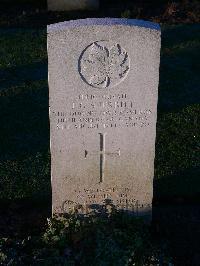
point(33, 13)
point(25, 189)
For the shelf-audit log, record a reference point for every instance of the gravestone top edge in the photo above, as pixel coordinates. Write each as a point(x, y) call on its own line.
point(102, 22)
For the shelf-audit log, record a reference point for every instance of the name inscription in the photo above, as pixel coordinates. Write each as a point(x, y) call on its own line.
point(89, 111)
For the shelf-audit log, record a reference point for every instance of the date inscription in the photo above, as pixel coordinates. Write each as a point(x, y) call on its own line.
point(101, 112)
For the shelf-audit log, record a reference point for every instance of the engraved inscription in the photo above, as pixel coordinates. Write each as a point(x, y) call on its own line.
point(90, 111)
point(102, 65)
point(122, 198)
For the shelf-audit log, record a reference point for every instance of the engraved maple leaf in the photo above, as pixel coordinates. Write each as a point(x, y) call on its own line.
point(105, 65)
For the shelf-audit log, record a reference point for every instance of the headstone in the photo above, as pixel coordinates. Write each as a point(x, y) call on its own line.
point(103, 82)
point(67, 5)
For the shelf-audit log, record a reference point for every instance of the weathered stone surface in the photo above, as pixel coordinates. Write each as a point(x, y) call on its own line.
point(103, 82)
point(67, 5)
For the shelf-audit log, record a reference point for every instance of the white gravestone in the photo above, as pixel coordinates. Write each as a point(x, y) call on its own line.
point(103, 83)
point(67, 5)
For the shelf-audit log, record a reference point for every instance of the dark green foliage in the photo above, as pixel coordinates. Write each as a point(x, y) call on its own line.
point(112, 239)
point(178, 140)
point(21, 48)
point(25, 178)
point(184, 11)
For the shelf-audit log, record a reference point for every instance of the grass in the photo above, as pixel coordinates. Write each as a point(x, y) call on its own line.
point(24, 165)
point(24, 135)
point(22, 47)
point(110, 239)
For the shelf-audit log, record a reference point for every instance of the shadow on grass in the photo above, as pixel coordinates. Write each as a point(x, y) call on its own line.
point(181, 187)
point(24, 217)
point(24, 120)
point(176, 214)
point(16, 76)
point(178, 226)
point(179, 68)
point(175, 35)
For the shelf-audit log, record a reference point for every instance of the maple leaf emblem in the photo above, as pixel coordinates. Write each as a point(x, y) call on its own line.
point(101, 67)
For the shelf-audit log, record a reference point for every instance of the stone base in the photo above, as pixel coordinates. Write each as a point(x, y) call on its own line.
point(137, 210)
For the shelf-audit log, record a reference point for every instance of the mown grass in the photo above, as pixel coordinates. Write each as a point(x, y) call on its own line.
point(24, 135)
point(21, 47)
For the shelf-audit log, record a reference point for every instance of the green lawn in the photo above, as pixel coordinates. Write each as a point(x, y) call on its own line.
point(24, 134)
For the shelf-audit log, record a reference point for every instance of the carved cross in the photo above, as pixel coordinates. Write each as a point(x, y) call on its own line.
point(102, 152)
